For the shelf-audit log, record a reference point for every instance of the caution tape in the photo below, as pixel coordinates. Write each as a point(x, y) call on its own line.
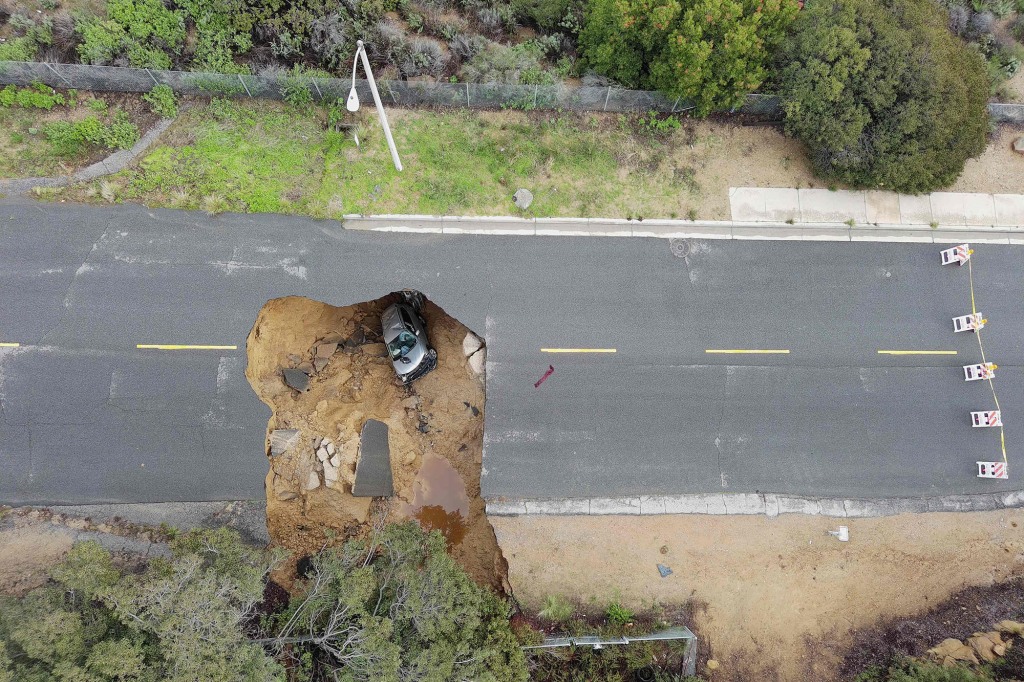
point(981, 346)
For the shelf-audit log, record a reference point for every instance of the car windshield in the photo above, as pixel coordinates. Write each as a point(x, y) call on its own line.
point(401, 345)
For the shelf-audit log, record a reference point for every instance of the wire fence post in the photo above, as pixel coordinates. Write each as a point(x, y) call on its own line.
point(152, 77)
point(467, 94)
point(58, 74)
point(318, 93)
point(244, 86)
point(607, 95)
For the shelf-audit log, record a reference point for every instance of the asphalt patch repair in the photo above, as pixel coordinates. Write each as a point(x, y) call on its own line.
point(434, 431)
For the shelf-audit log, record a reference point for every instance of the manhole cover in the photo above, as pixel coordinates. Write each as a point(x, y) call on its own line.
point(680, 248)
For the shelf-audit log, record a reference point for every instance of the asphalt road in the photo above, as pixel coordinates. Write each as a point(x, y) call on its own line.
point(88, 417)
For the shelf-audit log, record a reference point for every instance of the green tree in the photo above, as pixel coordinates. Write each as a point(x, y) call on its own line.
point(183, 618)
point(883, 95)
point(709, 52)
point(398, 607)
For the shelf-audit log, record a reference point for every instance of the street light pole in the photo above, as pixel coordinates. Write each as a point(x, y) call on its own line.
point(352, 104)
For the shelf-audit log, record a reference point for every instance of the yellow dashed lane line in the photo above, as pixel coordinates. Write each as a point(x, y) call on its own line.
point(171, 346)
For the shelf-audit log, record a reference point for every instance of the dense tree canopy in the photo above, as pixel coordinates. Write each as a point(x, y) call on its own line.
point(711, 53)
point(883, 94)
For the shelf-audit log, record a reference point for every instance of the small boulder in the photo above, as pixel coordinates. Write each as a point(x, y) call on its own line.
point(477, 362)
point(376, 349)
point(954, 649)
point(330, 473)
point(471, 344)
point(329, 446)
point(326, 350)
point(319, 363)
point(296, 379)
point(281, 440)
point(312, 481)
point(522, 198)
point(321, 454)
point(1011, 627)
point(1018, 145)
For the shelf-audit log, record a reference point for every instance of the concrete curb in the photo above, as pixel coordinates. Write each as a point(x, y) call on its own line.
point(682, 229)
point(749, 504)
point(114, 163)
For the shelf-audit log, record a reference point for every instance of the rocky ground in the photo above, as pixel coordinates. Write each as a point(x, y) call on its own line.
point(335, 355)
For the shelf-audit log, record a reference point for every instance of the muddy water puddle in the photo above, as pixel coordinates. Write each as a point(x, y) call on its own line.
point(439, 499)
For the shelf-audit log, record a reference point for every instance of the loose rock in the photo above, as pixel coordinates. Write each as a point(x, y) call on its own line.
point(523, 198)
point(471, 344)
point(1018, 145)
point(296, 379)
point(477, 362)
point(281, 440)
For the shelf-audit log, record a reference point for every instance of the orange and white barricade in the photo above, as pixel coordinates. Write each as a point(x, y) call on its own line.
point(959, 254)
point(969, 323)
point(984, 370)
point(986, 418)
point(992, 470)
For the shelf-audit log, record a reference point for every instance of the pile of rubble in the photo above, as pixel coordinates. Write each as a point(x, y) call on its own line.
point(979, 647)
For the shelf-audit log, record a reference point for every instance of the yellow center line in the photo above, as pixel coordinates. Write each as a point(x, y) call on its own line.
point(747, 351)
point(9, 345)
point(171, 346)
point(578, 350)
point(917, 352)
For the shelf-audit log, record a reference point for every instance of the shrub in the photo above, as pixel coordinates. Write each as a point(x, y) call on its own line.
point(162, 101)
point(883, 96)
point(35, 96)
point(425, 57)
point(710, 52)
point(544, 14)
point(71, 139)
point(498, 63)
point(296, 91)
point(618, 614)
point(556, 609)
point(1017, 28)
point(144, 31)
point(22, 49)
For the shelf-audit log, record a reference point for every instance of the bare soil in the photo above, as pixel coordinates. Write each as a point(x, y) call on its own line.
point(435, 432)
point(782, 597)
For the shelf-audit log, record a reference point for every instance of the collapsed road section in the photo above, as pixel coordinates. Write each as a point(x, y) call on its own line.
point(335, 396)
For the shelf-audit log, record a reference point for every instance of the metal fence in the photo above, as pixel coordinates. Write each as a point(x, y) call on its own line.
point(680, 633)
point(399, 93)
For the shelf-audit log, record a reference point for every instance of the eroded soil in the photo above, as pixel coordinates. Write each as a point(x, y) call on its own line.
point(435, 431)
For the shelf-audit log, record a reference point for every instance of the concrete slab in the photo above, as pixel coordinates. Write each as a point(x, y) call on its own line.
point(652, 504)
point(744, 503)
point(826, 206)
point(373, 469)
point(650, 228)
point(716, 503)
point(1014, 499)
point(826, 234)
point(979, 209)
point(686, 504)
point(948, 209)
point(563, 507)
point(881, 207)
point(1009, 210)
point(506, 507)
point(797, 505)
point(915, 210)
point(768, 232)
point(941, 236)
point(830, 507)
point(611, 228)
point(614, 505)
point(494, 226)
point(747, 204)
point(781, 204)
point(870, 234)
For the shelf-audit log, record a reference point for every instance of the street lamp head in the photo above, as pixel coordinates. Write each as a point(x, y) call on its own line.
point(352, 103)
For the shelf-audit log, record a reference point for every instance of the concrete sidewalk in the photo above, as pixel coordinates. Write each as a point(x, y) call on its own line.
point(971, 211)
point(768, 214)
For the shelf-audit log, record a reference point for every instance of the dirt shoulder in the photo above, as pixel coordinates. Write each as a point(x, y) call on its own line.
point(782, 595)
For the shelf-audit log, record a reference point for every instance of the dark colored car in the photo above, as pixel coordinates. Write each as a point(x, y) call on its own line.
point(405, 333)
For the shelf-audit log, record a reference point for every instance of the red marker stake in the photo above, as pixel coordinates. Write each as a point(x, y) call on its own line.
point(548, 373)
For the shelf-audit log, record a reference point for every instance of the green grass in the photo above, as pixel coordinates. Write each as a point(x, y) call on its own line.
point(268, 157)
